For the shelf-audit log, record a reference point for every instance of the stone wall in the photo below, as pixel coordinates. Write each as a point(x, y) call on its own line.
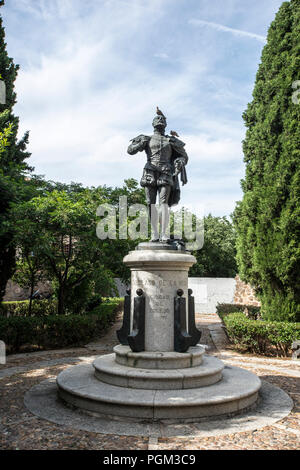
point(15, 292)
point(244, 294)
point(208, 292)
point(121, 287)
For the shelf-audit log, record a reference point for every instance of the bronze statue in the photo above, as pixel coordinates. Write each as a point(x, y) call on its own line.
point(166, 159)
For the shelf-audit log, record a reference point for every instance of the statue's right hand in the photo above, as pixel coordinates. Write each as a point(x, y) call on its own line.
point(133, 148)
point(138, 144)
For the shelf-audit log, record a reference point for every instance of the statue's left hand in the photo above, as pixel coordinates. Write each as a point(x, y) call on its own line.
point(178, 167)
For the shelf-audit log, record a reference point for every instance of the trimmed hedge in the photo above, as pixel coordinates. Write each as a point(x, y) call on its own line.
point(57, 331)
point(20, 308)
point(226, 309)
point(262, 337)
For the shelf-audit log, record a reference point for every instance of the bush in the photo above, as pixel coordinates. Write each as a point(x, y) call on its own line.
point(280, 308)
point(104, 305)
point(248, 310)
point(262, 337)
point(20, 309)
point(93, 302)
point(56, 331)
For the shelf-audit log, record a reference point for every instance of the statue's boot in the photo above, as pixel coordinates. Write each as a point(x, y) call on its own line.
point(153, 214)
point(164, 222)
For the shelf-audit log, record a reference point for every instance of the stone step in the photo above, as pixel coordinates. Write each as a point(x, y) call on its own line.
point(79, 387)
point(159, 360)
point(108, 371)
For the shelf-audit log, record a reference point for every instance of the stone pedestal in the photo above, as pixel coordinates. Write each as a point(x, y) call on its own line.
point(158, 383)
point(159, 273)
point(185, 394)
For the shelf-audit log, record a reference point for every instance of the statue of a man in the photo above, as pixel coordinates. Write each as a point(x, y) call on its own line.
point(166, 158)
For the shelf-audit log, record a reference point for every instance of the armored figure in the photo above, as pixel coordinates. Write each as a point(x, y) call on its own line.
point(166, 159)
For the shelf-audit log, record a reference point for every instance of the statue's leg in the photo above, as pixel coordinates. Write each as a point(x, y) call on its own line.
point(152, 211)
point(164, 212)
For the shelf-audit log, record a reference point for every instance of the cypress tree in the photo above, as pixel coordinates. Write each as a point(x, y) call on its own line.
point(268, 218)
point(13, 167)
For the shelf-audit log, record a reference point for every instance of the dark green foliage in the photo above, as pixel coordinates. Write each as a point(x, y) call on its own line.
point(268, 218)
point(28, 273)
point(88, 294)
point(115, 250)
point(60, 229)
point(56, 331)
point(56, 233)
point(217, 257)
point(12, 163)
point(94, 302)
point(248, 310)
point(5, 133)
point(20, 309)
point(268, 338)
point(105, 307)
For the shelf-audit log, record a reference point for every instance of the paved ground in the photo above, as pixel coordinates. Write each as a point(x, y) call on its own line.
point(19, 429)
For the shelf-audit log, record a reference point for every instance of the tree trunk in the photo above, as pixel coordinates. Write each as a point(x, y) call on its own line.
point(31, 294)
point(61, 300)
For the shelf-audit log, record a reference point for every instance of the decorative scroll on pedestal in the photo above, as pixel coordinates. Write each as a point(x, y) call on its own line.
point(136, 339)
point(193, 331)
point(182, 340)
point(124, 332)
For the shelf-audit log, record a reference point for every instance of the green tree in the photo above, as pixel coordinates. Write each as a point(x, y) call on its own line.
point(217, 257)
point(12, 163)
point(118, 249)
point(59, 228)
point(4, 137)
point(268, 218)
point(29, 271)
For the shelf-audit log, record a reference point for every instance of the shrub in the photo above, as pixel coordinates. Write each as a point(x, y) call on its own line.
point(262, 337)
point(280, 308)
point(93, 302)
point(249, 310)
point(56, 331)
point(20, 309)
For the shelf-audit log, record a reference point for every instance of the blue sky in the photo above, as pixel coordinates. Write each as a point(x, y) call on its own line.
point(93, 72)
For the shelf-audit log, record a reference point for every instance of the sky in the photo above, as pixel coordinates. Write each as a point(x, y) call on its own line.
point(93, 72)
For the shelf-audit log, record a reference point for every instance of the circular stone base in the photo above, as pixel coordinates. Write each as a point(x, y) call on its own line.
point(109, 372)
point(79, 387)
point(161, 246)
point(273, 405)
point(159, 360)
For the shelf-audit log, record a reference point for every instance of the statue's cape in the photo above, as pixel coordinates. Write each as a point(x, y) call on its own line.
point(178, 147)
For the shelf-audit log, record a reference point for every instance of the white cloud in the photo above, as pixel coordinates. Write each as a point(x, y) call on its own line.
point(107, 65)
point(162, 55)
point(226, 29)
point(81, 132)
point(209, 148)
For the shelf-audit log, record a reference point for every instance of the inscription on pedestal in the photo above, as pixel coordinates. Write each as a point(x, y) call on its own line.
point(159, 287)
point(159, 275)
point(154, 283)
